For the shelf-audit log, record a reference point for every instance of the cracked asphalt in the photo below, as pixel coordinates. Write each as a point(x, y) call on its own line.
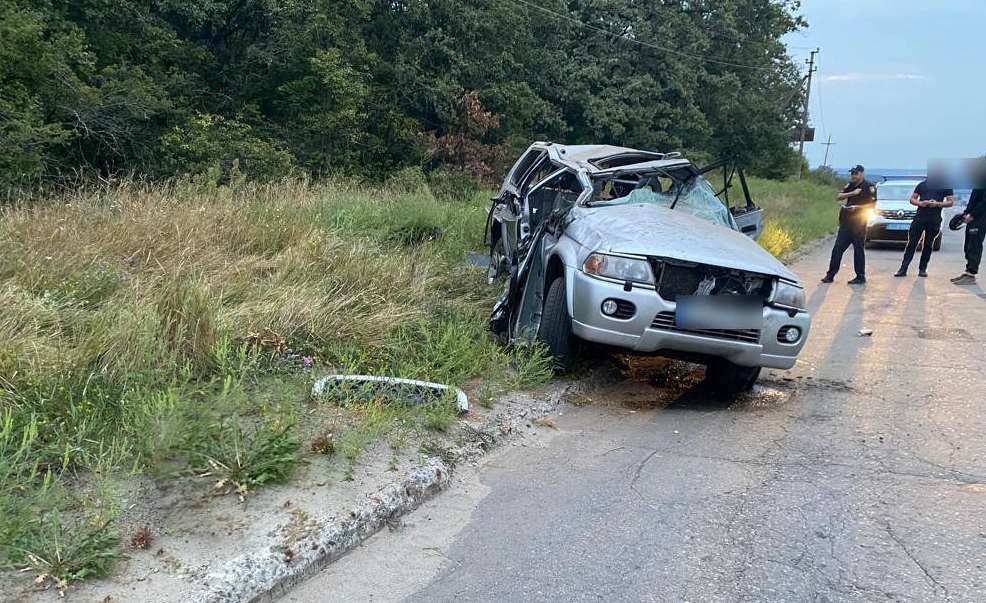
point(860, 475)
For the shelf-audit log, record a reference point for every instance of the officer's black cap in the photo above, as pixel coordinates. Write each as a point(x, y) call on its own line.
point(856, 170)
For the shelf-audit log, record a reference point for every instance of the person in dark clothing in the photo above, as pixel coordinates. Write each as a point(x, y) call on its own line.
point(859, 195)
point(974, 217)
point(930, 200)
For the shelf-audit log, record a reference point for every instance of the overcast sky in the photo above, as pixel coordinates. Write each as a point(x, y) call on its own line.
point(899, 81)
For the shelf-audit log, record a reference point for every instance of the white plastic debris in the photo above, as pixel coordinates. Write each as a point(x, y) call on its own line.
point(409, 388)
point(865, 332)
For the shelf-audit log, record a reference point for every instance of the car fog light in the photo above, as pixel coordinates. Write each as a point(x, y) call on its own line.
point(791, 334)
point(610, 307)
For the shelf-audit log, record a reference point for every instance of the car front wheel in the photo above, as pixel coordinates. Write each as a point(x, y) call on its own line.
point(556, 326)
point(724, 376)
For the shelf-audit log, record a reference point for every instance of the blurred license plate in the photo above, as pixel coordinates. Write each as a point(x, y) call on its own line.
point(719, 312)
point(893, 226)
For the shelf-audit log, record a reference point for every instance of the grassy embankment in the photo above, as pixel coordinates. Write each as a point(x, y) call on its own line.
point(177, 330)
point(797, 212)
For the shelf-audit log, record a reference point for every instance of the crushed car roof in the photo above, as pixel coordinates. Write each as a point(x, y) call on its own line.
point(597, 158)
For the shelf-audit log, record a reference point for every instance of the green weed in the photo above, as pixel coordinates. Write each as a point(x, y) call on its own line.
point(243, 458)
point(65, 552)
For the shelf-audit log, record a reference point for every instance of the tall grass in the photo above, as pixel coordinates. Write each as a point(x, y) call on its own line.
point(797, 212)
point(158, 328)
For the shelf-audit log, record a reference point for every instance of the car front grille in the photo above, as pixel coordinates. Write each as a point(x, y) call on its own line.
point(678, 280)
point(898, 214)
point(674, 279)
point(665, 321)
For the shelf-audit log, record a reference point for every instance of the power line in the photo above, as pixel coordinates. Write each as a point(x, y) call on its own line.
point(641, 42)
point(821, 108)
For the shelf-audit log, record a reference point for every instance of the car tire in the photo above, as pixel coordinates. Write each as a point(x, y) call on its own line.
point(498, 262)
point(725, 377)
point(556, 326)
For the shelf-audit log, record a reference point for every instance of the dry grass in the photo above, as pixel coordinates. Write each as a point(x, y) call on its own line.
point(136, 319)
point(155, 277)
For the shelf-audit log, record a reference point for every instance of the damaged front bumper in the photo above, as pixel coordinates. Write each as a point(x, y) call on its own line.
point(651, 326)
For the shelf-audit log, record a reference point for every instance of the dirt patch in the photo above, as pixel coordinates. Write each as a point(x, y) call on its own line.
point(653, 383)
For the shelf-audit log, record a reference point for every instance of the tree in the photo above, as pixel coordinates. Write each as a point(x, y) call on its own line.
point(148, 87)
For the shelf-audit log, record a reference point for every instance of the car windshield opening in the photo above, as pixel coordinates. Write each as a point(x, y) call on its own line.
point(694, 195)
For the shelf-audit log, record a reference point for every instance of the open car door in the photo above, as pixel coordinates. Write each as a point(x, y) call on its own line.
point(749, 217)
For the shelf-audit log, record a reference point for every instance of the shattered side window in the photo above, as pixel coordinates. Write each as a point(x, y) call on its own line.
point(561, 190)
point(697, 198)
point(524, 165)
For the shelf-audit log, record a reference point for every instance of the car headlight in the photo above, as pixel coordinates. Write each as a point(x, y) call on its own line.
point(788, 295)
point(618, 267)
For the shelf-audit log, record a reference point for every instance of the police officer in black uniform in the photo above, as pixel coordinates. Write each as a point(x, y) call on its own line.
point(930, 196)
point(859, 195)
point(974, 217)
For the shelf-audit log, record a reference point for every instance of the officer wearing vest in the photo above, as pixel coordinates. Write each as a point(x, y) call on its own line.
point(858, 196)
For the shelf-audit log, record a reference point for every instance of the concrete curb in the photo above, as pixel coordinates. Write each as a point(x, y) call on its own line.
point(266, 575)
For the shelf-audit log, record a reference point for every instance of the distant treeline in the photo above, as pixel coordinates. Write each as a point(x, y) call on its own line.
point(366, 87)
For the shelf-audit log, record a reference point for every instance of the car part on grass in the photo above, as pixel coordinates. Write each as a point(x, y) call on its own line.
point(408, 390)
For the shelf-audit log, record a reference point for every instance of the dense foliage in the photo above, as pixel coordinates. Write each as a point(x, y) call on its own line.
point(159, 87)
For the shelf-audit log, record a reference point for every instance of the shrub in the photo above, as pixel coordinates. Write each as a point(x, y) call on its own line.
point(775, 239)
point(221, 150)
point(452, 184)
point(825, 176)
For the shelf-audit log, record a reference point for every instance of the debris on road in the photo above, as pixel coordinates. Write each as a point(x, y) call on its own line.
point(865, 332)
point(409, 390)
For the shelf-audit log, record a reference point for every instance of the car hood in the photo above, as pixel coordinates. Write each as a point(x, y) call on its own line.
point(894, 204)
point(651, 230)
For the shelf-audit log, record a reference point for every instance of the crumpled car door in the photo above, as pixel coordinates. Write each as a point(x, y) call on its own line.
point(516, 317)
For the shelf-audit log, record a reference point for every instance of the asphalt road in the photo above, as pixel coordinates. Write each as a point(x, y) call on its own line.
point(858, 476)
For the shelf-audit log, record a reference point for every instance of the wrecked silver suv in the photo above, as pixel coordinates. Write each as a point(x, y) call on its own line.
point(637, 251)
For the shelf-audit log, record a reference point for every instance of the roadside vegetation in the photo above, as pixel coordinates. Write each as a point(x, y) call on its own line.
point(796, 211)
point(367, 88)
point(176, 330)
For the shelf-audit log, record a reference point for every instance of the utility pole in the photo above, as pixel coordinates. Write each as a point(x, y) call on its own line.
point(804, 116)
point(827, 145)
